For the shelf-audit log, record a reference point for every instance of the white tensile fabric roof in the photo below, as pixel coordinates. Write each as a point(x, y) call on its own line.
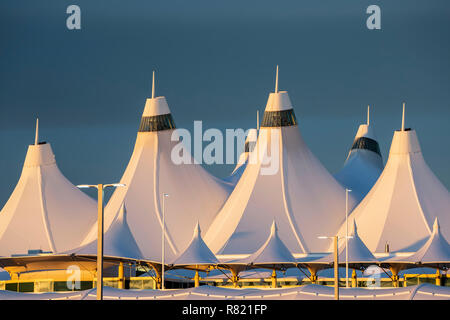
point(435, 250)
point(401, 207)
point(273, 251)
point(118, 240)
point(363, 166)
point(243, 158)
point(45, 211)
point(197, 252)
point(194, 195)
point(423, 291)
point(300, 194)
point(357, 250)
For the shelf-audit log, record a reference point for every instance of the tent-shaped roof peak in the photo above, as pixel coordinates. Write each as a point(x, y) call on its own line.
point(39, 153)
point(365, 139)
point(357, 250)
point(274, 229)
point(364, 163)
point(436, 226)
point(122, 216)
point(435, 250)
point(290, 185)
point(366, 129)
point(197, 252)
point(118, 240)
point(45, 211)
point(155, 107)
point(197, 231)
point(405, 142)
point(273, 251)
point(153, 171)
point(279, 111)
point(156, 115)
point(355, 228)
point(407, 196)
point(278, 100)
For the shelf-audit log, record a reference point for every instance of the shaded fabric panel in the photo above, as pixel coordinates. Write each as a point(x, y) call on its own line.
point(157, 123)
point(282, 118)
point(366, 143)
point(249, 146)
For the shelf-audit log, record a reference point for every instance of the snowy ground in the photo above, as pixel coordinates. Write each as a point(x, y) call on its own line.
point(307, 292)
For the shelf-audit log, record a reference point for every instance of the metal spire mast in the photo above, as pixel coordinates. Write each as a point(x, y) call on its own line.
point(153, 85)
point(36, 137)
point(403, 118)
point(276, 81)
point(257, 120)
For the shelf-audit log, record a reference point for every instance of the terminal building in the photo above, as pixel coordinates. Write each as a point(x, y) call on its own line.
point(398, 215)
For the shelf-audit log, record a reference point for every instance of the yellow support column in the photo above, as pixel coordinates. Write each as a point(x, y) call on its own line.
point(314, 278)
point(274, 279)
point(197, 279)
point(121, 276)
point(438, 278)
point(158, 278)
point(234, 278)
point(395, 280)
point(354, 279)
point(313, 272)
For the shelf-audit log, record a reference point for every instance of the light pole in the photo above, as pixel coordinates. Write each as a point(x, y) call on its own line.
point(346, 236)
point(165, 195)
point(336, 263)
point(100, 222)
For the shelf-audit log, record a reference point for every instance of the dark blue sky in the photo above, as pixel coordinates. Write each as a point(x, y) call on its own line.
point(215, 62)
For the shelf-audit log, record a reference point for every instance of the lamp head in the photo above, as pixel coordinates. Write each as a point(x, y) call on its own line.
point(85, 186)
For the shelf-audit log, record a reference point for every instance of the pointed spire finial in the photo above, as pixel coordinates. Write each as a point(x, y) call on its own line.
point(368, 115)
point(355, 228)
point(123, 212)
point(403, 117)
point(273, 228)
point(436, 226)
point(276, 81)
point(36, 137)
point(153, 85)
point(257, 120)
point(197, 230)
